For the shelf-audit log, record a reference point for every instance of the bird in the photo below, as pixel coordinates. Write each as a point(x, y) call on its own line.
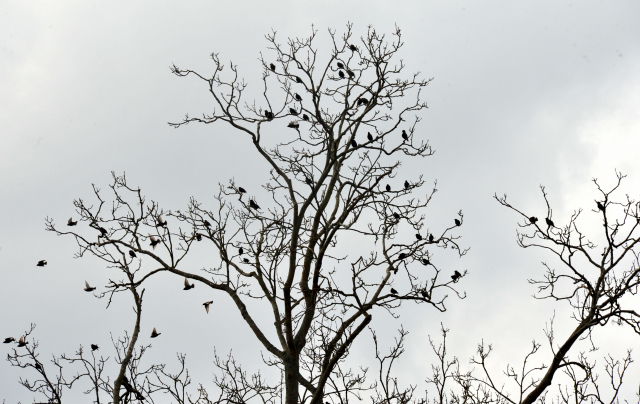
point(38, 366)
point(354, 144)
point(132, 254)
point(240, 250)
point(198, 236)
point(369, 136)
point(154, 333)
point(353, 48)
point(406, 184)
point(424, 294)
point(242, 190)
point(549, 222)
point(533, 220)
point(404, 135)
point(207, 224)
point(297, 97)
point(272, 67)
point(388, 188)
point(340, 65)
point(308, 180)
point(253, 204)
point(94, 347)
point(600, 205)
point(70, 222)
point(293, 125)
point(154, 241)
point(402, 256)
point(42, 263)
point(341, 74)
point(8, 340)
point(206, 306)
point(188, 286)
point(362, 101)
point(88, 288)
point(396, 215)
point(456, 275)
point(424, 261)
point(457, 222)
point(418, 236)
point(22, 342)
point(305, 117)
point(245, 260)
point(393, 291)
point(298, 79)
point(351, 74)
point(268, 115)
point(160, 222)
point(431, 238)
point(395, 270)
point(103, 232)
point(293, 111)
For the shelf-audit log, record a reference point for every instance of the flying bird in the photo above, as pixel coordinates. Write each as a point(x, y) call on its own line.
point(22, 342)
point(388, 188)
point(154, 333)
point(188, 286)
point(154, 241)
point(272, 67)
point(600, 205)
point(132, 254)
point(305, 117)
point(549, 222)
point(431, 238)
point(404, 135)
point(297, 97)
point(533, 220)
point(418, 236)
point(393, 291)
point(42, 263)
point(207, 224)
point(160, 222)
point(340, 65)
point(354, 144)
point(457, 222)
point(94, 347)
point(8, 340)
point(253, 204)
point(206, 306)
point(456, 275)
point(424, 261)
point(369, 136)
point(341, 74)
point(293, 125)
point(353, 48)
point(70, 222)
point(406, 184)
point(88, 288)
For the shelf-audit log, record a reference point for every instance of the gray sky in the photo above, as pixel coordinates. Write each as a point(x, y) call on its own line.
point(523, 94)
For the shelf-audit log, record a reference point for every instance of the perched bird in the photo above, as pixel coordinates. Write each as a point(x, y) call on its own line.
point(242, 190)
point(457, 222)
point(341, 74)
point(240, 251)
point(418, 236)
point(206, 306)
point(431, 238)
point(393, 291)
point(272, 67)
point(354, 144)
point(245, 260)
point(268, 115)
point(396, 215)
point(305, 117)
point(22, 342)
point(533, 219)
point(154, 333)
point(293, 125)
point(395, 270)
point(88, 288)
point(362, 101)
point(253, 204)
point(160, 222)
point(207, 224)
point(340, 65)
point(406, 184)
point(456, 275)
point(103, 232)
point(297, 97)
point(404, 135)
point(388, 188)
point(369, 136)
point(198, 236)
point(42, 263)
point(424, 294)
point(132, 254)
point(549, 222)
point(38, 366)
point(298, 79)
point(8, 340)
point(600, 205)
point(308, 180)
point(94, 347)
point(70, 222)
point(188, 286)
point(402, 256)
point(424, 261)
point(351, 74)
point(353, 48)
point(154, 241)
point(293, 111)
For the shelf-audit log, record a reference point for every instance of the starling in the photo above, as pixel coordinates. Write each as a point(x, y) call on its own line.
point(340, 65)
point(245, 260)
point(22, 342)
point(188, 286)
point(341, 74)
point(272, 67)
point(103, 232)
point(160, 222)
point(38, 366)
point(424, 261)
point(457, 222)
point(240, 251)
point(297, 97)
point(424, 294)
point(353, 48)
point(94, 347)
point(404, 135)
point(395, 270)
point(42, 263)
point(242, 190)
point(154, 241)
point(8, 340)
point(418, 236)
point(354, 144)
point(206, 306)
point(154, 333)
point(132, 254)
point(351, 74)
point(207, 224)
point(293, 125)
point(388, 188)
point(402, 256)
point(88, 288)
point(362, 101)
point(533, 219)
point(70, 222)
point(406, 185)
point(308, 180)
point(431, 238)
point(268, 115)
point(369, 136)
point(305, 117)
point(456, 275)
point(396, 215)
point(298, 79)
point(393, 291)
point(293, 111)
point(198, 236)
point(600, 206)
point(253, 204)
point(549, 222)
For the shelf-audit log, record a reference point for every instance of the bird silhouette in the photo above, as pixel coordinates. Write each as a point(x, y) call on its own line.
point(431, 238)
point(418, 236)
point(70, 222)
point(600, 205)
point(424, 294)
point(94, 347)
point(154, 241)
point(533, 220)
point(457, 222)
point(341, 74)
point(293, 125)
point(8, 340)
point(240, 250)
point(268, 115)
point(369, 136)
point(198, 236)
point(161, 223)
point(308, 180)
point(154, 333)
point(404, 135)
point(396, 216)
point(41, 263)
point(297, 97)
point(253, 204)
point(38, 366)
point(424, 261)
point(188, 286)
point(388, 188)
point(292, 111)
point(88, 288)
point(245, 260)
point(353, 48)
point(340, 65)
point(395, 270)
point(354, 144)
point(406, 185)
point(351, 74)
point(362, 101)
point(242, 190)
point(549, 222)
point(298, 79)
point(393, 291)
point(22, 342)
point(272, 67)
point(305, 117)
point(402, 256)
point(132, 254)
point(456, 275)
point(207, 224)
point(206, 306)
point(103, 232)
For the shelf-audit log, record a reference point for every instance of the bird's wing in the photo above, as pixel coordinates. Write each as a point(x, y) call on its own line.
point(87, 284)
point(22, 340)
point(186, 282)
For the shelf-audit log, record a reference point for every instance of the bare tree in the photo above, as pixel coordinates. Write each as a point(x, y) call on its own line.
point(344, 127)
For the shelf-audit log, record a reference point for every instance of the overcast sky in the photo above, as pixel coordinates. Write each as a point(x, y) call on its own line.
point(523, 94)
